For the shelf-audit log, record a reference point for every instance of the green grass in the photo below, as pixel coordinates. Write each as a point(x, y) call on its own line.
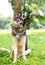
point(36, 42)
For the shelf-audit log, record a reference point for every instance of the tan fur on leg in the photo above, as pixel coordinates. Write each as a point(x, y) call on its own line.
point(23, 41)
point(14, 48)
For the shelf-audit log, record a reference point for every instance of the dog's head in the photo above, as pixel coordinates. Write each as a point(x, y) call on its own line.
point(18, 25)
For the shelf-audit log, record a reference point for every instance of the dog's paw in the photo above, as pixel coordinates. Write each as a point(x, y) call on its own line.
point(14, 61)
point(24, 58)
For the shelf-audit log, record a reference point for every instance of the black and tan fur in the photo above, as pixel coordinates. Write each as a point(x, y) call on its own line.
point(18, 37)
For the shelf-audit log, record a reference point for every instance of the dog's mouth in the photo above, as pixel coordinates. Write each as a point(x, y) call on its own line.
point(18, 30)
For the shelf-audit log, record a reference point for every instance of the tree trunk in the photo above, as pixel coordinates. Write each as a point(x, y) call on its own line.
point(17, 8)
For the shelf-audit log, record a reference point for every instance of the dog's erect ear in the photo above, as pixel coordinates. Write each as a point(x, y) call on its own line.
point(24, 22)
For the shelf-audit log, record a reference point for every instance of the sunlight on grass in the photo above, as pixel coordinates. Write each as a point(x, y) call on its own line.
point(28, 31)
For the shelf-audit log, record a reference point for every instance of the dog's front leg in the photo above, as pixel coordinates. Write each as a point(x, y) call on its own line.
point(23, 41)
point(14, 47)
point(15, 54)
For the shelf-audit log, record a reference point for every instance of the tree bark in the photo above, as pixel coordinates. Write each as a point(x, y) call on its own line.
point(17, 8)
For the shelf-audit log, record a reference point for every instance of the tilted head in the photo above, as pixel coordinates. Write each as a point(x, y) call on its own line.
point(18, 25)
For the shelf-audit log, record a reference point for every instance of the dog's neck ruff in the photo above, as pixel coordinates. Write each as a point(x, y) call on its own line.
point(19, 34)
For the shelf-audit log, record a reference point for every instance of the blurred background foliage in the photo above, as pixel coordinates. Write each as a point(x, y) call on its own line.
point(33, 10)
point(5, 22)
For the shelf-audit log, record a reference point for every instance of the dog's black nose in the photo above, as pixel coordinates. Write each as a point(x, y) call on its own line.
point(16, 27)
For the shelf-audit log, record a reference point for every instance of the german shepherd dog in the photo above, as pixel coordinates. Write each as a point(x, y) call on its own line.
point(18, 37)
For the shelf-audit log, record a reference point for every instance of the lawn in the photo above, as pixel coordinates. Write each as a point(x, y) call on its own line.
point(36, 42)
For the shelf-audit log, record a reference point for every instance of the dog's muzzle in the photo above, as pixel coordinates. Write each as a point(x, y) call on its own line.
point(15, 27)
